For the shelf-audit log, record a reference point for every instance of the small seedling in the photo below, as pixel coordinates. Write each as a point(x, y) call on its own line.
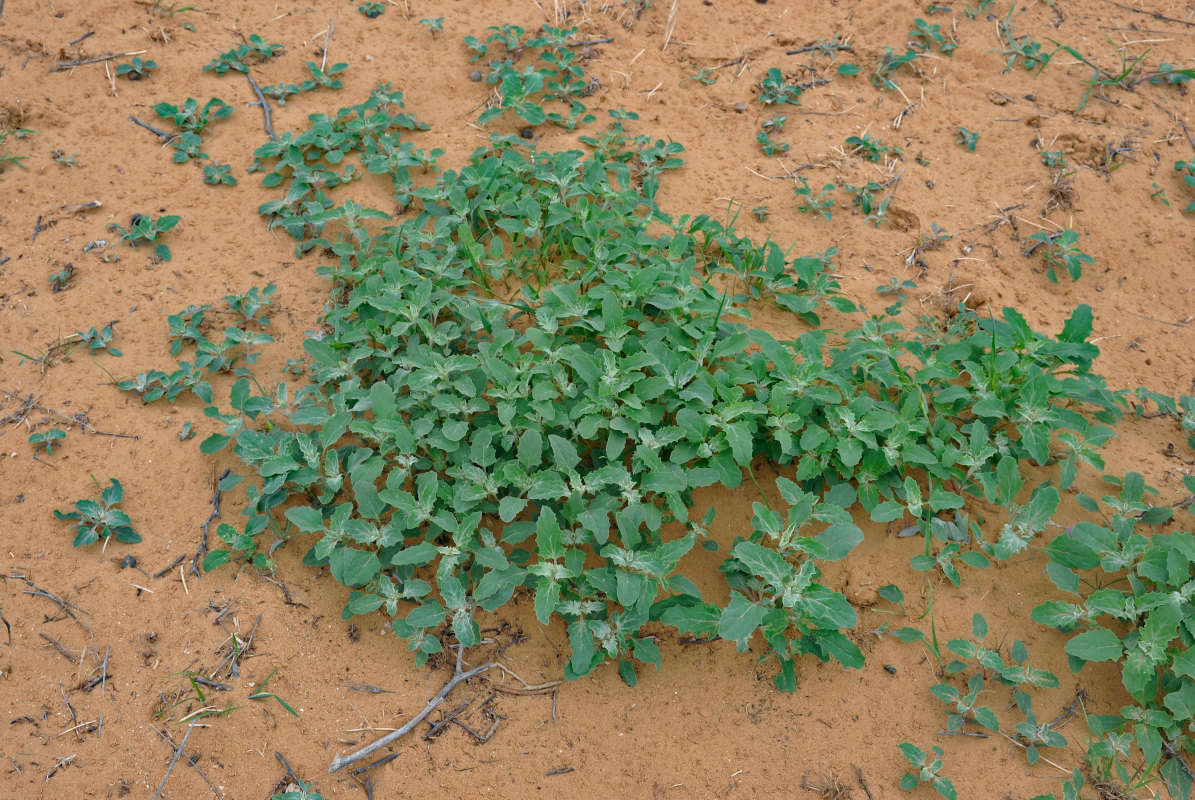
point(704, 76)
point(321, 78)
point(773, 90)
point(60, 281)
point(262, 694)
point(927, 35)
point(304, 792)
point(888, 64)
point(1187, 167)
point(46, 439)
point(136, 69)
point(251, 305)
point(372, 10)
point(928, 770)
point(95, 521)
point(968, 139)
point(761, 213)
point(433, 26)
point(100, 339)
point(190, 117)
point(870, 148)
point(769, 145)
point(256, 51)
point(143, 229)
point(1159, 193)
point(1055, 159)
point(895, 287)
point(822, 204)
point(6, 156)
point(70, 161)
point(1061, 250)
point(218, 175)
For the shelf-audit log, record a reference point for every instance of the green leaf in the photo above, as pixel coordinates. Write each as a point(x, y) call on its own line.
point(1100, 644)
point(352, 567)
point(839, 540)
point(1181, 703)
point(214, 443)
point(739, 620)
point(700, 620)
point(547, 596)
point(531, 449)
point(510, 507)
point(306, 518)
point(764, 562)
point(549, 542)
point(417, 555)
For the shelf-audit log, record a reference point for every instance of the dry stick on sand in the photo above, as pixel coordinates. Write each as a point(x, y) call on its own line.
point(178, 752)
point(206, 526)
point(265, 107)
point(459, 677)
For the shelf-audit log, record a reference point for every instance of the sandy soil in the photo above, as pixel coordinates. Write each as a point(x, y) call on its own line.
point(710, 724)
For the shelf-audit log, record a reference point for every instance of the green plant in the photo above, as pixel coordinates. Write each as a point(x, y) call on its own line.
point(218, 175)
point(1026, 49)
point(372, 10)
point(968, 139)
point(322, 78)
point(926, 35)
point(1054, 159)
point(304, 792)
point(241, 57)
point(1061, 251)
point(1135, 613)
point(888, 64)
point(144, 229)
point(768, 145)
point(870, 148)
point(433, 26)
point(94, 521)
point(807, 202)
point(190, 117)
point(774, 90)
point(704, 75)
point(761, 213)
point(929, 769)
point(100, 339)
point(60, 281)
point(1187, 167)
point(136, 69)
point(262, 694)
point(187, 146)
point(46, 439)
point(1159, 193)
point(6, 156)
point(68, 160)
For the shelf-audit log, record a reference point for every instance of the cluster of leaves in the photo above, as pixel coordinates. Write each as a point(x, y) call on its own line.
point(192, 120)
point(872, 149)
point(7, 156)
point(456, 447)
point(232, 354)
point(775, 90)
point(556, 76)
point(136, 69)
point(769, 128)
point(1061, 251)
point(308, 164)
point(1138, 612)
point(46, 440)
point(256, 51)
point(144, 229)
point(1187, 170)
point(99, 520)
point(321, 78)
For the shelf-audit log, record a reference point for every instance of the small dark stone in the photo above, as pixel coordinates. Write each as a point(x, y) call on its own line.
point(373, 14)
point(136, 218)
point(1030, 97)
point(891, 670)
point(128, 561)
point(134, 76)
point(526, 133)
point(475, 75)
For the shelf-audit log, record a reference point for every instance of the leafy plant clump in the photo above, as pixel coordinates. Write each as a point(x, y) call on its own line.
point(518, 388)
point(144, 229)
point(555, 77)
point(99, 520)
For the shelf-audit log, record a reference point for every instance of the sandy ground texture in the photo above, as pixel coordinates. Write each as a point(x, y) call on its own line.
point(94, 696)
